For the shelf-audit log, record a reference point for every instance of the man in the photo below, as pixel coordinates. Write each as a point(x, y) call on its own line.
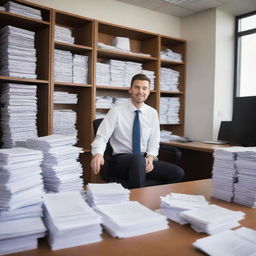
point(135, 143)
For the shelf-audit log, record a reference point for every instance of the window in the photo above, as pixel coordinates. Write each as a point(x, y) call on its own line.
point(245, 60)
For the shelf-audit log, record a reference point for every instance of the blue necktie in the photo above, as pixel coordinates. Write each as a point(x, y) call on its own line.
point(136, 134)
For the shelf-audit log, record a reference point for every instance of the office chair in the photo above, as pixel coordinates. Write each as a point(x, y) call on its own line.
point(105, 172)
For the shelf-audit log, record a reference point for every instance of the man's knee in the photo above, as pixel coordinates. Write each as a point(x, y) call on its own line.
point(179, 173)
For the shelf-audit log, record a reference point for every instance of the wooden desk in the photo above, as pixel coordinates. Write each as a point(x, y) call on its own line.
point(175, 241)
point(197, 158)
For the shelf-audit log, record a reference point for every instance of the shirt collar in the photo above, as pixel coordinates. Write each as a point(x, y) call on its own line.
point(133, 108)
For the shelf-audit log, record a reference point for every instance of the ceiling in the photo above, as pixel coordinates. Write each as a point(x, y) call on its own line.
point(183, 8)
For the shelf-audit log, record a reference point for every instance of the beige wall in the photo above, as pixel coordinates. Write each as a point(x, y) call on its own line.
point(119, 13)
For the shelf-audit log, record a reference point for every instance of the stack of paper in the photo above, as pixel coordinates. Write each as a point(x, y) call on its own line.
point(119, 101)
point(102, 73)
point(109, 193)
point(61, 170)
point(64, 122)
point(21, 191)
point(168, 54)
point(173, 204)
point(117, 72)
point(18, 55)
point(80, 69)
point(70, 221)
point(168, 136)
point(169, 80)
point(224, 173)
point(20, 235)
point(130, 219)
point(23, 10)
point(63, 34)
point(151, 75)
point(231, 242)
point(121, 43)
point(131, 69)
point(104, 102)
point(100, 114)
point(169, 110)
point(63, 66)
point(245, 188)
point(64, 98)
point(212, 219)
point(18, 113)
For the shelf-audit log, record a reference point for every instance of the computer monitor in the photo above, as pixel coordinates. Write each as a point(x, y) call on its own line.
point(225, 130)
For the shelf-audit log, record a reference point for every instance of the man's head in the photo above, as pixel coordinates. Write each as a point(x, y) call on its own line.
point(140, 89)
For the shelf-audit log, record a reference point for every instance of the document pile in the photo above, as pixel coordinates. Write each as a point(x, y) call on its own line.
point(102, 73)
point(18, 113)
point(151, 75)
point(21, 191)
point(109, 193)
point(173, 204)
point(169, 80)
point(70, 221)
point(80, 69)
point(117, 72)
point(130, 219)
point(18, 55)
point(100, 114)
point(131, 69)
point(122, 43)
point(212, 219)
point(64, 122)
point(119, 101)
point(168, 54)
point(23, 10)
point(169, 110)
point(231, 242)
point(61, 170)
point(64, 98)
point(63, 34)
point(63, 66)
point(166, 136)
point(104, 102)
point(245, 188)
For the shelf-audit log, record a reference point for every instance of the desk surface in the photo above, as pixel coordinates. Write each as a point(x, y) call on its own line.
point(196, 145)
point(177, 240)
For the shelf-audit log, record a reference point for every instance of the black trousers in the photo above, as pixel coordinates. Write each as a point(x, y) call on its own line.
point(133, 169)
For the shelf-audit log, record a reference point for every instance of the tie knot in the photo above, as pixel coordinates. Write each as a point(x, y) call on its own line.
point(137, 111)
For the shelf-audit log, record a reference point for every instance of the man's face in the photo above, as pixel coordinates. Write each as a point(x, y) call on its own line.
point(139, 91)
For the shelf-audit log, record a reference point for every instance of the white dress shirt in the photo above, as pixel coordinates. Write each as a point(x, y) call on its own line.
point(117, 127)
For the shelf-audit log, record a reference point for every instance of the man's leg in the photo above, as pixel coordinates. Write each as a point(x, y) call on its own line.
point(166, 172)
point(131, 168)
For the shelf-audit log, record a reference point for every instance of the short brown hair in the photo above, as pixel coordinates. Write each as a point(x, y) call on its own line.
point(140, 77)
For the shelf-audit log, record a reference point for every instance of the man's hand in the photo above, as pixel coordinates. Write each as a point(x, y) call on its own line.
point(96, 163)
point(149, 163)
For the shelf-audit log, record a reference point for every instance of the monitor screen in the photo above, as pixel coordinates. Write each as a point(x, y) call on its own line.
point(224, 131)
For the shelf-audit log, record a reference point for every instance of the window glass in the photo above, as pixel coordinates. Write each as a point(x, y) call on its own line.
point(247, 23)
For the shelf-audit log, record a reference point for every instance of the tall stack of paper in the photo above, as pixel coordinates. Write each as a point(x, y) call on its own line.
point(169, 110)
point(151, 75)
point(245, 188)
point(64, 98)
point(231, 242)
point(70, 221)
point(61, 170)
point(64, 123)
point(23, 10)
point(224, 173)
point(18, 113)
point(130, 219)
point(21, 191)
point(63, 34)
point(63, 66)
point(119, 101)
point(102, 73)
point(169, 80)
point(173, 204)
point(117, 72)
point(131, 69)
point(104, 102)
point(109, 193)
point(80, 69)
point(168, 54)
point(212, 219)
point(18, 55)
